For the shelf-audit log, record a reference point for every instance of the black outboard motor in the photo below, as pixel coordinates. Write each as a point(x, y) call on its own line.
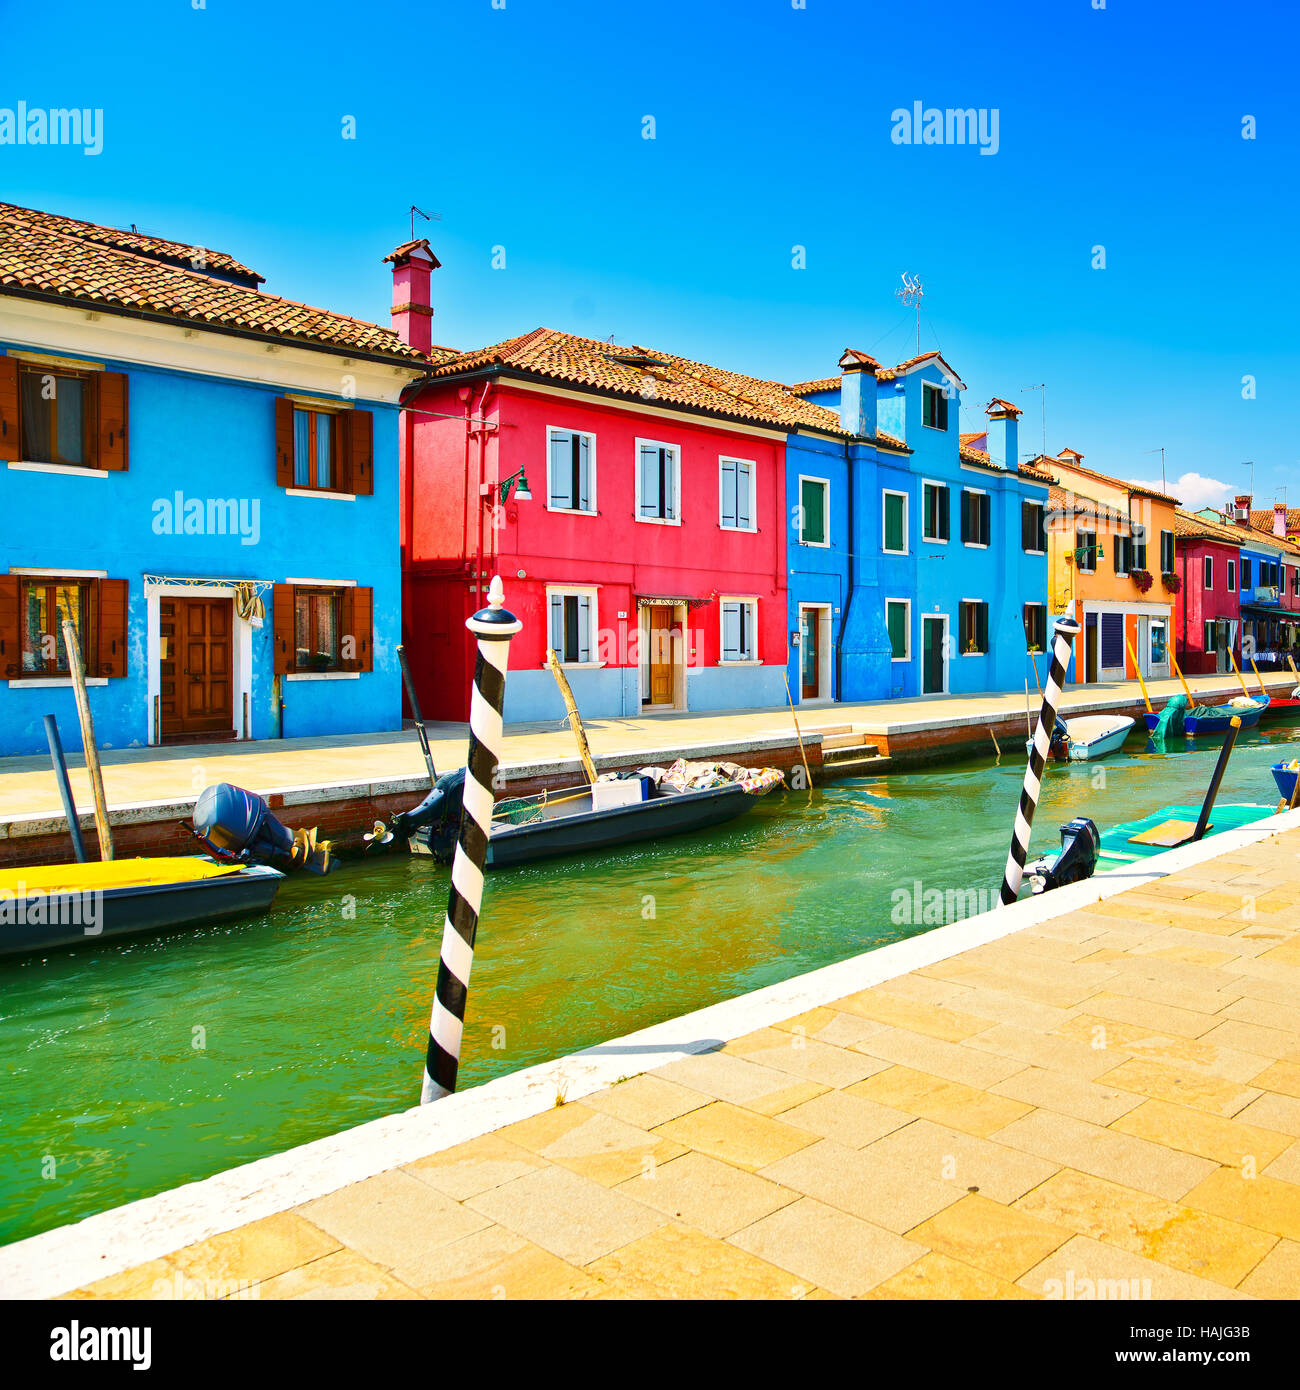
point(236, 824)
point(1080, 845)
point(434, 821)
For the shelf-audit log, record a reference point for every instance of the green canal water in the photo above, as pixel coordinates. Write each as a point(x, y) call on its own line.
point(132, 1068)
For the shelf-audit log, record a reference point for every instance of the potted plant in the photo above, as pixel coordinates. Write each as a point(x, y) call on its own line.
point(1171, 582)
point(1142, 578)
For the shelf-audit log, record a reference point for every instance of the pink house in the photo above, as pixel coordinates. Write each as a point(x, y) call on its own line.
point(1207, 612)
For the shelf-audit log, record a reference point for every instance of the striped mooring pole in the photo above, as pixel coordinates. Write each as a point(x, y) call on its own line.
point(494, 627)
point(1066, 631)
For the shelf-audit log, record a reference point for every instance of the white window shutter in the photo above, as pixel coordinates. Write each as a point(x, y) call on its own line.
point(583, 501)
point(584, 628)
point(729, 493)
point(557, 625)
point(649, 468)
point(731, 632)
point(744, 494)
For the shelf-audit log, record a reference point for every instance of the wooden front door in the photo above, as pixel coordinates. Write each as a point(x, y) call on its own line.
point(661, 655)
point(196, 683)
point(810, 656)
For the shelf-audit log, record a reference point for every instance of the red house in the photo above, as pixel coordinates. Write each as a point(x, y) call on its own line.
point(632, 501)
point(1207, 615)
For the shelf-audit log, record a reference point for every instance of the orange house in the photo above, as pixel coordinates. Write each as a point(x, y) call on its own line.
point(1111, 568)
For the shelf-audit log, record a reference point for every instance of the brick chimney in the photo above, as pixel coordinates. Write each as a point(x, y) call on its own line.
point(413, 263)
point(858, 392)
point(1003, 433)
point(1279, 519)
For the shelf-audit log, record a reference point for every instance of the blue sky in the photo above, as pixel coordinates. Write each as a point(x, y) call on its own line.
point(522, 126)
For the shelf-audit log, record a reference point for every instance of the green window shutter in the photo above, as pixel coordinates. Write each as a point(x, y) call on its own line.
point(897, 622)
point(893, 522)
point(813, 502)
point(943, 513)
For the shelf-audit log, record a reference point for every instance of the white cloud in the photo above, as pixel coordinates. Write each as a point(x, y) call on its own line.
point(1193, 490)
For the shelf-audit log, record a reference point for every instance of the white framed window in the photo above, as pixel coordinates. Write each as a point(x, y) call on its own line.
point(1033, 527)
point(572, 624)
point(934, 512)
point(814, 511)
point(1232, 576)
point(935, 404)
point(736, 494)
point(739, 629)
point(898, 622)
point(658, 482)
point(973, 620)
point(570, 471)
point(893, 522)
point(975, 513)
point(1209, 572)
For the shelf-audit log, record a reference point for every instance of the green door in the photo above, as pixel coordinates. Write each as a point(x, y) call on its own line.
point(932, 656)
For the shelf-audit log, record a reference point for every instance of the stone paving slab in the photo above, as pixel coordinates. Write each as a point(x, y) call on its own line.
point(1025, 1127)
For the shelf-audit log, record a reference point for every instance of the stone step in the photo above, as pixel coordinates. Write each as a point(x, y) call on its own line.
point(857, 766)
point(852, 754)
point(847, 739)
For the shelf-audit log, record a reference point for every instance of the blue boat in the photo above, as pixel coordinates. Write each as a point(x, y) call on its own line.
point(1216, 722)
point(1284, 775)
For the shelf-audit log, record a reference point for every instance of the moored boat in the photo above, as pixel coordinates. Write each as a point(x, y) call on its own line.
point(1092, 736)
point(1285, 774)
point(649, 806)
point(1215, 719)
point(56, 905)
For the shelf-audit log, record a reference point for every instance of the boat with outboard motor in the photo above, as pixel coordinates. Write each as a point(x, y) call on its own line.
point(642, 807)
point(55, 905)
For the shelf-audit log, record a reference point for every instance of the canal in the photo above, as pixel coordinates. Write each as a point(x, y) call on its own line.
point(133, 1068)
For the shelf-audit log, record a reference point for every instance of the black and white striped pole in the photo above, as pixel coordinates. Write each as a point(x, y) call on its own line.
point(494, 627)
point(1066, 631)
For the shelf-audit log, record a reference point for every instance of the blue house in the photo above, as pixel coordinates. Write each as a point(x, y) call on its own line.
point(203, 478)
point(932, 576)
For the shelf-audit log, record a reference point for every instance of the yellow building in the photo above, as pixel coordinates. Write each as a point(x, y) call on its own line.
point(1111, 568)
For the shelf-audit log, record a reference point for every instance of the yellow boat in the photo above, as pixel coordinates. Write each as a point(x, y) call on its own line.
point(53, 905)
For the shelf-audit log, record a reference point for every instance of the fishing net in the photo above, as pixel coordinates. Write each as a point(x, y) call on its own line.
point(518, 810)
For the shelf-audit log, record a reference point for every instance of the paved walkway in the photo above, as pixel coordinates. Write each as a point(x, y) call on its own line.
point(136, 775)
point(1106, 1104)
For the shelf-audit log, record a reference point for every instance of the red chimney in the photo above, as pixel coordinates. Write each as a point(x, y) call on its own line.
point(1279, 518)
point(1241, 508)
point(413, 262)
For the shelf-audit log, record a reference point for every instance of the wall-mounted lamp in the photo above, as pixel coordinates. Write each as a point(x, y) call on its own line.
point(500, 492)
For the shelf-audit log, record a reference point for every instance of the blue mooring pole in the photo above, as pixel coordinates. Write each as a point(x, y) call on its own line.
point(65, 788)
point(494, 627)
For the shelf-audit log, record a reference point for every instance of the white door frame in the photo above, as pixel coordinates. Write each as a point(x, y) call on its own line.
point(677, 653)
point(241, 649)
point(943, 647)
point(823, 611)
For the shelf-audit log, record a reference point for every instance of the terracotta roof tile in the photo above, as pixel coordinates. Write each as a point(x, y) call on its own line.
point(40, 258)
point(997, 406)
point(1066, 459)
point(811, 388)
point(888, 373)
point(1076, 504)
point(661, 378)
point(1263, 520)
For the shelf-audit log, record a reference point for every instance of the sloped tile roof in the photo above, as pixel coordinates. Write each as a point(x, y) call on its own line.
point(659, 378)
point(1076, 504)
point(811, 388)
point(156, 248)
point(43, 260)
point(888, 373)
point(1066, 459)
point(1263, 520)
point(1192, 527)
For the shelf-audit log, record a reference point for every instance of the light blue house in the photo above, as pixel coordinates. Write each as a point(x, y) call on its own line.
point(203, 478)
point(932, 574)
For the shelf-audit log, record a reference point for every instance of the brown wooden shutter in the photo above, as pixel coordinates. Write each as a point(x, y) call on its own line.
point(359, 471)
point(110, 628)
point(358, 623)
point(110, 421)
point(9, 409)
point(283, 621)
point(283, 444)
point(11, 657)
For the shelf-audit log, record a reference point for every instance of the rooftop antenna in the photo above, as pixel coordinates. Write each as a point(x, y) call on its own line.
point(1161, 452)
point(912, 293)
point(1042, 386)
point(1250, 463)
point(428, 217)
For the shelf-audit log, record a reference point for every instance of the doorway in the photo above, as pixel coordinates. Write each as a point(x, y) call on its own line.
point(1090, 649)
point(660, 651)
point(934, 655)
point(814, 651)
point(195, 669)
